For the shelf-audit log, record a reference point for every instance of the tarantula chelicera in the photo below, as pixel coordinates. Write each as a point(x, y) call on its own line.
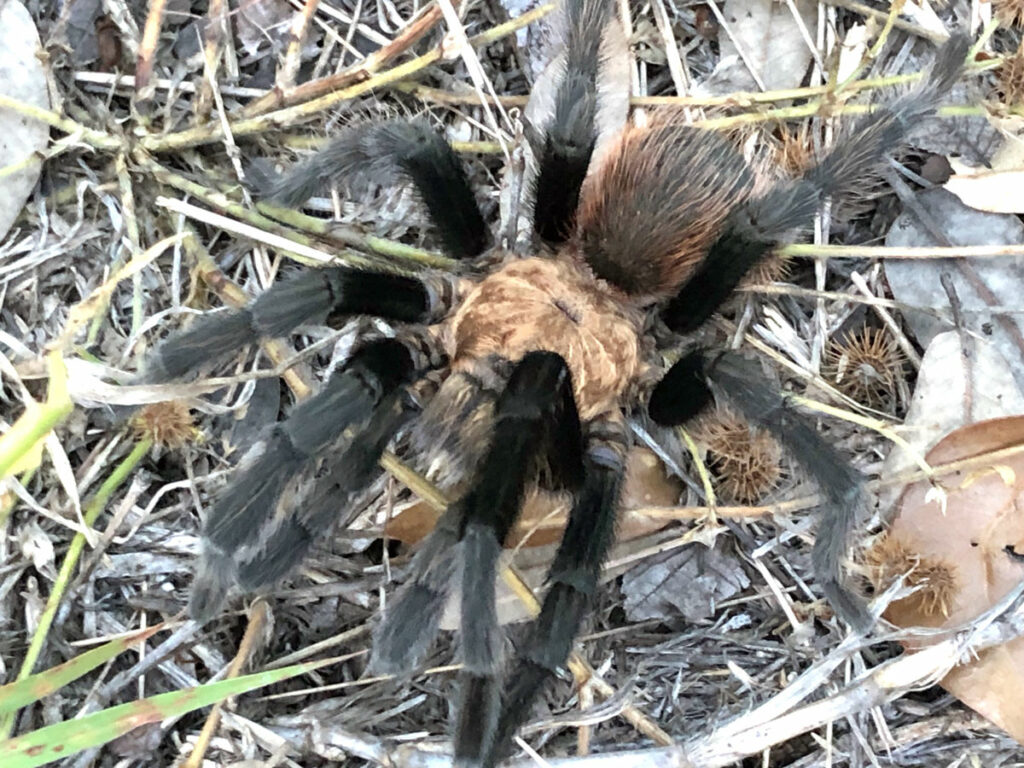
point(542, 357)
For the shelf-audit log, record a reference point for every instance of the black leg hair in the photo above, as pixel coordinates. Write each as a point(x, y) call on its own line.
point(353, 470)
point(535, 423)
point(412, 151)
point(536, 427)
point(309, 297)
point(573, 580)
point(535, 419)
point(411, 621)
point(681, 394)
point(568, 142)
point(239, 530)
point(754, 228)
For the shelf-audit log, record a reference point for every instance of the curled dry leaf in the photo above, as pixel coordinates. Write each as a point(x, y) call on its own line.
point(962, 561)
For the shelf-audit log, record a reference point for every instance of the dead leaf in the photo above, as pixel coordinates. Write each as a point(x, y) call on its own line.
point(22, 77)
point(687, 582)
point(768, 36)
point(995, 188)
point(982, 285)
point(952, 390)
point(544, 513)
point(260, 21)
point(959, 563)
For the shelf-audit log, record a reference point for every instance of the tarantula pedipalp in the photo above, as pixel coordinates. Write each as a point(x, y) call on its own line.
point(542, 357)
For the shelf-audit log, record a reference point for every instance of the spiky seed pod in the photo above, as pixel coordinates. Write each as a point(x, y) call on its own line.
point(935, 580)
point(865, 365)
point(746, 462)
point(1009, 12)
point(1010, 76)
point(772, 268)
point(168, 424)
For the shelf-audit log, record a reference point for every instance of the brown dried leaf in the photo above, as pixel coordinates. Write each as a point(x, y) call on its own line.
point(687, 582)
point(544, 513)
point(962, 555)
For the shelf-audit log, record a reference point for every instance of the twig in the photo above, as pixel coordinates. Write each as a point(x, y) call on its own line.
point(207, 134)
point(365, 69)
point(255, 626)
point(144, 90)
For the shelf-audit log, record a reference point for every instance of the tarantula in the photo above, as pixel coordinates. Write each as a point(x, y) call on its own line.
point(542, 356)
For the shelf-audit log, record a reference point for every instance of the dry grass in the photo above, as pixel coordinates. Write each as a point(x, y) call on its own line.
point(103, 201)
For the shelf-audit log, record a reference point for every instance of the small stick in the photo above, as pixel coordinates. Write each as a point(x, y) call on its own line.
point(357, 73)
point(257, 620)
point(966, 346)
point(144, 90)
point(216, 30)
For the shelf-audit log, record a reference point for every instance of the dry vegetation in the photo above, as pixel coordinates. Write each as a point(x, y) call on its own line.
point(165, 156)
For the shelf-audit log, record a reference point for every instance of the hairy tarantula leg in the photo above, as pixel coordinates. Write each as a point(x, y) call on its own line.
point(308, 297)
point(535, 417)
point(352, 471)
point(568, 142)
point(247, 515)
point(683, 392)
point(412, 619)
point(573, 580)
point(753, 229)
point(535, 422)
point(409, 150)
point(536, 425)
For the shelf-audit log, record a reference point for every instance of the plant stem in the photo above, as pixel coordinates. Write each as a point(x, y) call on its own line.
point(121, 473)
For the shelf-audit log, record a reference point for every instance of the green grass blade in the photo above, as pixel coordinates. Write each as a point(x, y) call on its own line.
point(55, 742)
point(21, 692)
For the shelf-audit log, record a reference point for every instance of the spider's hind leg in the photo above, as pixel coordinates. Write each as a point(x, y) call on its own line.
point(254, 532)
point(535, 426)
point(412, 152)
point(754, 228)
point(687, 388)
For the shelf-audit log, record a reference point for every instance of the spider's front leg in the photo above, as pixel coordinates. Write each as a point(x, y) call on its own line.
point(573, 580)
point(536, 427)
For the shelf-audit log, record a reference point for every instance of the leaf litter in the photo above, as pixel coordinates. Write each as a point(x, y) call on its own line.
point(708, 643)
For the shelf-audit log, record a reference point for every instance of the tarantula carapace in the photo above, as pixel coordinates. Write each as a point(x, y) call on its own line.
point(541, 356)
